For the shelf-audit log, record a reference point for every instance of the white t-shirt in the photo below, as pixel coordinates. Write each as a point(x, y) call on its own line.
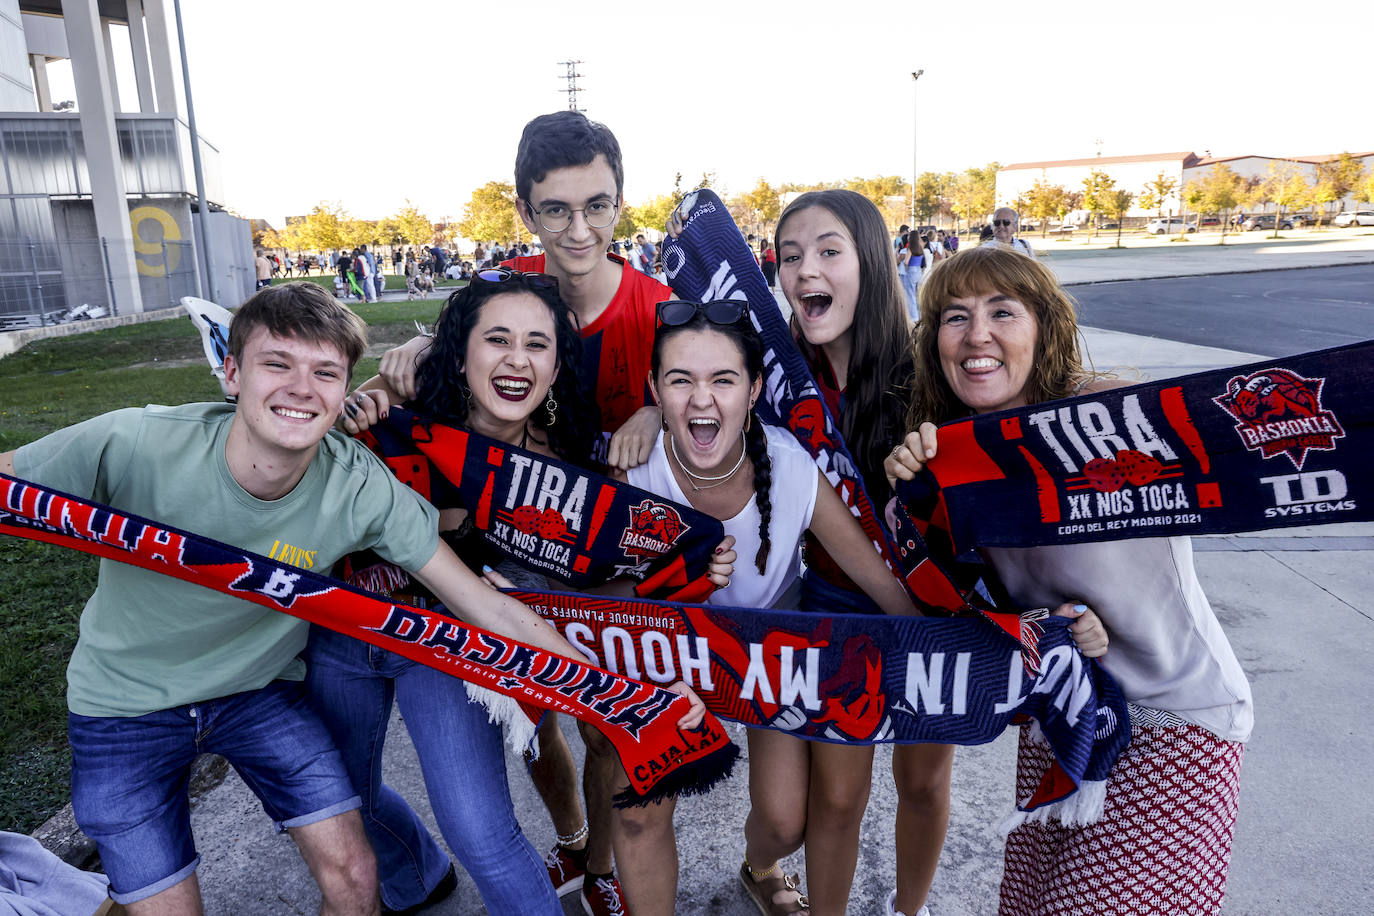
point(1168, 650)
point(792, 494)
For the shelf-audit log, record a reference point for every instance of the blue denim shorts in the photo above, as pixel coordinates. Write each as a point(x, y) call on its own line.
point(130, 777)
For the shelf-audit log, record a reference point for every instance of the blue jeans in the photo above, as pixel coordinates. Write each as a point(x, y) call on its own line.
point(911, 282)
point(130, 777)
point(462, 757)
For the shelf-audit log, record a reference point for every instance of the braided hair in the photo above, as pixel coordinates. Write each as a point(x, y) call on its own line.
point(744, 336)
point(441, 382)
point(756, 446)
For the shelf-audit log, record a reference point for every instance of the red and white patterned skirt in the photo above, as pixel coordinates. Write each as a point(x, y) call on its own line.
point(1163, 845)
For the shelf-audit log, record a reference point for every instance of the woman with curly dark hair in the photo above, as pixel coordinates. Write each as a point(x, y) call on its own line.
point(503, 365)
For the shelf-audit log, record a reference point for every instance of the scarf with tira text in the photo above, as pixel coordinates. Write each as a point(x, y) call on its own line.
point(710, 260)
point(1273, 444)
point(551, 517)
point(639, 719)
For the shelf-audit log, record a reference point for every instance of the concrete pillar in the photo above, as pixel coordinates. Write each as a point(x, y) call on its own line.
point(108, 196)
point(39, 63)
point(160, 39)
point(138, 42)
point(109, 64)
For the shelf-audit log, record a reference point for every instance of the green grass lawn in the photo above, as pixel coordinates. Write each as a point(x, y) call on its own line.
point(45, 386)
point(393, 282)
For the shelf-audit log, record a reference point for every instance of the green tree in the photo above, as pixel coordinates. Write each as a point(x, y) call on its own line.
point(930, 197)
point(412, 226)
point(1320, 195)
point(1043, 201)
point(1119, 201)
point(1157, 191)
point(654, 213)
point(1097, 197)
point(1285, 187)
point(1223, 189)
point(490, 216)
point(1342, 177)
point(322, 229)
point(764, 201)
point(1194, 197)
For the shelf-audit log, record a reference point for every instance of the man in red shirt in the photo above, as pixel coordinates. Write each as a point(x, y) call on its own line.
point(569, 182)
point(568, 179)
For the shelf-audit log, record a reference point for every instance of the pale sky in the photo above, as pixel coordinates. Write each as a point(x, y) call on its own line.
point(372, 103)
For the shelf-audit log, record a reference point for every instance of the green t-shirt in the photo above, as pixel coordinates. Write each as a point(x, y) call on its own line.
point(149, 641)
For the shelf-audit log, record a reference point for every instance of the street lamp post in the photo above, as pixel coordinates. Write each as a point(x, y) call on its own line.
point(915, 75)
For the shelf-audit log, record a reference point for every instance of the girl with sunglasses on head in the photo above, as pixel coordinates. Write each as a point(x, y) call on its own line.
point(499, 349)
point(716, 456)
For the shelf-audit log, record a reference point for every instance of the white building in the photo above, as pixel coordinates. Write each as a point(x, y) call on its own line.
point(1131, 173)
point(98, 205)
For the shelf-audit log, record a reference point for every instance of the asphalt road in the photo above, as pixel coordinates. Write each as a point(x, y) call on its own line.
point(1274, 313)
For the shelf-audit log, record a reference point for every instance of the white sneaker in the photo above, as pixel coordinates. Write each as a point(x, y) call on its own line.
point(893, 911)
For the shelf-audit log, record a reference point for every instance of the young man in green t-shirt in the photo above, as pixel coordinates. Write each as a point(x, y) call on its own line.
point(164, 670)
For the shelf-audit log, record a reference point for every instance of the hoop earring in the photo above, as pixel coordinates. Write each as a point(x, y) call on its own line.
point(551, 405)
point(748, 418)
point(466, 393)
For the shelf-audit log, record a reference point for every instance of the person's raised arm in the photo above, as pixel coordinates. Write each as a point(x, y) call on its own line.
point(471, 599)
point(400, 366)
point(631, 444)
point(839, 533)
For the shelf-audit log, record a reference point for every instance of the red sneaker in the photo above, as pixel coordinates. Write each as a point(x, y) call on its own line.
point(563, 871)
point(604, 898)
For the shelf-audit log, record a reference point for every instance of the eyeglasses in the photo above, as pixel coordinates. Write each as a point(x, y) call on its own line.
point(1002, 222)
point(493, 276)
point(599, 214)
point(677, 312)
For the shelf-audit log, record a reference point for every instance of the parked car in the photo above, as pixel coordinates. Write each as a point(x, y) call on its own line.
point(1300, 220)
point(1354, 218)
point(1210, 221)
point(1264, 221)
point(1167, 224)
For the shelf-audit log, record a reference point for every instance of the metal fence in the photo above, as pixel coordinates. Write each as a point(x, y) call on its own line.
point(44, 282)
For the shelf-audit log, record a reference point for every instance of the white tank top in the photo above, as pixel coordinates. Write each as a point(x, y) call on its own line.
point(793, 497)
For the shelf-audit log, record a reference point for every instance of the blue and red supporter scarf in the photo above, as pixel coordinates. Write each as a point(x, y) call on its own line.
point(711, 260)
point(551, 517)
point(1274, 444)
point(639, 719)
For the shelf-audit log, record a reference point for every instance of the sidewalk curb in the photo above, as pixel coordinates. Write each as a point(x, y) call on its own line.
point(1216, 273)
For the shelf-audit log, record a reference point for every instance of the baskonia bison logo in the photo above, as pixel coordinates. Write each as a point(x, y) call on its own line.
point(1280, 412)
point(653, 530)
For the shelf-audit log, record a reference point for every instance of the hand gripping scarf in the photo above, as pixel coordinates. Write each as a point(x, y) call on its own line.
point(1273, 444)
point(549, 516)
point(640, 720)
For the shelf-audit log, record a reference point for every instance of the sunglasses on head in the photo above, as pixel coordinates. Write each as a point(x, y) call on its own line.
point(677, 312)
point(493, 276)
point(1001, 222)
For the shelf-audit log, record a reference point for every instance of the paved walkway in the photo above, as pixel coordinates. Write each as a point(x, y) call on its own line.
point(1299, 609)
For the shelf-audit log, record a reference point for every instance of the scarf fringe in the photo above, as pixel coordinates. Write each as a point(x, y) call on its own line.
point(695, 778)
point(1080, 809)
point(508, 714)
point(381, 578)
